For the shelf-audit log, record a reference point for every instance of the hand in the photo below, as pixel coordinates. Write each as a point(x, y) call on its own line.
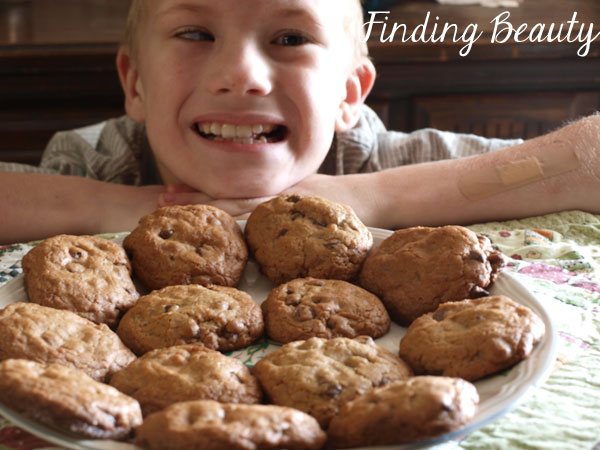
point(181, 194)
point(356, 191)
point(124, 205)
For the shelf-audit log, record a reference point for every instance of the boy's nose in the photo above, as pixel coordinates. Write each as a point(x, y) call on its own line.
point(241, 70)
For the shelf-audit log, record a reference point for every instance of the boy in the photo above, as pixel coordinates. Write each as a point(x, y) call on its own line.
point(240, 101)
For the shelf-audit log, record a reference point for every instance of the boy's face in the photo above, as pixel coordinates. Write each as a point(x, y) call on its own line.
point(274, 73)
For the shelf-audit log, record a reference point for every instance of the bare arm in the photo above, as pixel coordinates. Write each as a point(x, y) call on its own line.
point(429, 193)
point(35, 206)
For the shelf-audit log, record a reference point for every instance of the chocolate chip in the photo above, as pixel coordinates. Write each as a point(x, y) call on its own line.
point(320, 299)
point(383, 381)
point(497, 259)
point(478, 292)
point(340, 325)
point(297, 215)
point(332, 244)
point(235, 326)
point(211, 220)
point(282, 233)
point(439, 315)
point(294, 198)
point(229, 336)
point(316, 222)
point(333, 390)
point(293, 299)
point(474, 255)
point(304, 313)
point(235, 377)
point(165, 234)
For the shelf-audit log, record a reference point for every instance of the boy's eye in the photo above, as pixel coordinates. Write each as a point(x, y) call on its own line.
point(291, 39)
point(195, 35)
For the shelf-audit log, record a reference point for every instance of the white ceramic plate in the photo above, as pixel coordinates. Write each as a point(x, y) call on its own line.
point(498, 394)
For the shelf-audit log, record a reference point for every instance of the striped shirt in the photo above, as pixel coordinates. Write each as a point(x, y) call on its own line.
point(118, 150)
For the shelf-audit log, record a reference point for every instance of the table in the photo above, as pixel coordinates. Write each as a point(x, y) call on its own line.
point(557, 257)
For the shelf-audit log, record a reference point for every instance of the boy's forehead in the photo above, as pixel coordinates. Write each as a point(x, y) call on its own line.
point(326, 9)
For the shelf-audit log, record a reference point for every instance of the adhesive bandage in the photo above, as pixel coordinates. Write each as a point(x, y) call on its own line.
point(500, 178)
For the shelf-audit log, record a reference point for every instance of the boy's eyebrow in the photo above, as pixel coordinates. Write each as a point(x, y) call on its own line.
point(198, 9)
point(291, 12)
point(283, 13)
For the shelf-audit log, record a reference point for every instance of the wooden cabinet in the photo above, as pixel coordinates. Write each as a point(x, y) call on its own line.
point(509, 115)
point(57, 71)
point(498, 90)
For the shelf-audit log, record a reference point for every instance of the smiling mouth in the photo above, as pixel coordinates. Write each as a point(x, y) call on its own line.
point(242, 134)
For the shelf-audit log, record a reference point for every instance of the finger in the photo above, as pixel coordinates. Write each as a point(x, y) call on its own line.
point(183, 198)
point(178, 187)
point(238, 207)
point(242, 216)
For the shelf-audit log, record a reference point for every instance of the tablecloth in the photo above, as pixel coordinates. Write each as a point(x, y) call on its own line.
point(557, 257)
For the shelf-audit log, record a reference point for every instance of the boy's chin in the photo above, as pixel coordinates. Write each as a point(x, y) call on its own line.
point(247, 190)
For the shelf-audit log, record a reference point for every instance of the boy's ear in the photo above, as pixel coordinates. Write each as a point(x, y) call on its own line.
point(358, 86)
point(131, 84)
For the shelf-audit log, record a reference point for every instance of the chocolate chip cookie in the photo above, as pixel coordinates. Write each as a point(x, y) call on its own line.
point(223, 426)
point(192, 244)
point(405, 411)
point(43, 334)
point(88, 275)
point(416, 269)
point(311, 307)
point(294, 236)
point(222, 318)
point(165, 376)
point(471, 338)
point(67, 399)
point(318, 375)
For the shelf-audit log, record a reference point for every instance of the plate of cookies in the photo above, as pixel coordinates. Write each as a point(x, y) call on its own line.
point(300, 328)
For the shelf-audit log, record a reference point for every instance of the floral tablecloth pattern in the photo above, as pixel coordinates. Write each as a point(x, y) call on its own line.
point(557, 257)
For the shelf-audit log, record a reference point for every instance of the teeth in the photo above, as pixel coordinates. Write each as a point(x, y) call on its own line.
point(228, 131)
point(237, 133)
point(244, 131)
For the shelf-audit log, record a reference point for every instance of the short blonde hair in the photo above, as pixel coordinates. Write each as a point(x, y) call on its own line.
point(354, 22)
point(135, 17)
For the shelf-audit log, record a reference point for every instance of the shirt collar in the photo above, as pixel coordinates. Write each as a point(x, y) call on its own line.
point(352, 149)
